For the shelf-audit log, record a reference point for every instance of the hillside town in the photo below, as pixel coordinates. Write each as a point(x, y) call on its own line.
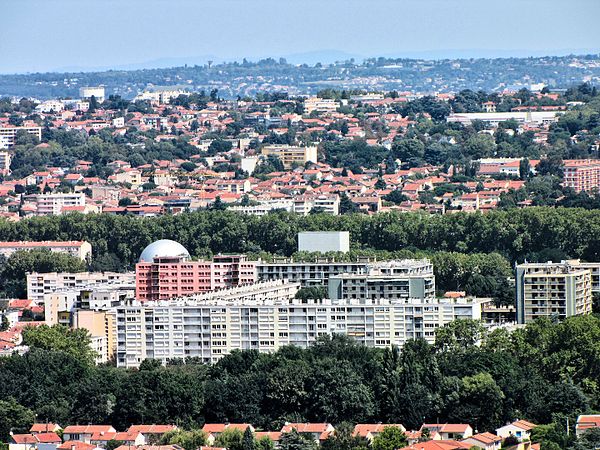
point(338, 153)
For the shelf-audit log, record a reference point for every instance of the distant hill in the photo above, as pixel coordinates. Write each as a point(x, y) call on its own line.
point(307, 73)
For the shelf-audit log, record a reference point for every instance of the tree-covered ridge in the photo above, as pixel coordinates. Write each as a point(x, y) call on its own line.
point(544, 372)
point(242, 78)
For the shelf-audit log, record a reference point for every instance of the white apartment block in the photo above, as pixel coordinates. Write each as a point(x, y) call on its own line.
point(309, 273)
point(9, 134)
point(40, 284)
point(553, 290)
point(78, 249)
point(494, 118)
point(320, 105)
point(97, 92)
point(329, 204)
point(52, 204)
point(211, 329)
point(265, 207)
point(393, 280)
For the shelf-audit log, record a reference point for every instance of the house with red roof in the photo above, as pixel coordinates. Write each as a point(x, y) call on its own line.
point(587, 422)
point(152, 433)
point(449, 431)
point(521, 429)
point(84, 433)
point(485, 441)
point(438, 445)
point(49, 427)
point(370, 430)
point(31, 441)
point(317, 431)
point(101, 438)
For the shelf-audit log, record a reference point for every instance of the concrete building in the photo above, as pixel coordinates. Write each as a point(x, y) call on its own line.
point(203, 325)
point(582, 174)
point(97, 92)
point(8, 134)
point(393, 280)
point(78, 249)
point(41, 284)
point(290, 154)
point(320, 105)
point(552, 290)
point(60, 306)
point(209, 327)
point(53, 204)
point(166, 271)
point(307, 273)
point(324, 241)
point(5, 159)
point(494, 118)
point(103, 332)
point(305, 204)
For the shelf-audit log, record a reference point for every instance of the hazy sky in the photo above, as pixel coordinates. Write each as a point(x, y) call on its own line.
point(43, 35)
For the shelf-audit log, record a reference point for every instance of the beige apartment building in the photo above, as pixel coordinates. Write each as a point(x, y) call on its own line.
point(103, 332)
point(291, 154)
point(553, 290)
point(78, 249)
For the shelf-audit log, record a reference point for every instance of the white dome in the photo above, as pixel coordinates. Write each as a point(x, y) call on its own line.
point(164, 248)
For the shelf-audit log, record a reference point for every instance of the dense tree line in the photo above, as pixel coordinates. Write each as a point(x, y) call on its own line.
point(544, 372)
point(515, 234)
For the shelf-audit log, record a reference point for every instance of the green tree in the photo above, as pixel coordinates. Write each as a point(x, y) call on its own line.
point(113, 444)
point(343, 439)
point(296, 441)
point(13, 272)
point(14, 418)
point(248, 442)
point(390, 438)
point(75, 342)
point(5, 323)
point(189, 440)
point(231, 439)
point(347, 206)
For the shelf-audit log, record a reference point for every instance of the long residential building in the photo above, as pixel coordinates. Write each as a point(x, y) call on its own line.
point(8, 134)
point(40, 284)
point(308, 273)
point(209, 329)
point(53, 204)
point(78, 249)
point(553, 290)
point(196, 326)
point(393, 280)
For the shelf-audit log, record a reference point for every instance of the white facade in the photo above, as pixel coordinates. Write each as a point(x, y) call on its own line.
point(52, 204)
point(324, 241)
point(78, 249)
point(494, 118)
point(9, 134)
point(96, 91)
point(211, 329)
point(309, 273)
point(40, 284)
